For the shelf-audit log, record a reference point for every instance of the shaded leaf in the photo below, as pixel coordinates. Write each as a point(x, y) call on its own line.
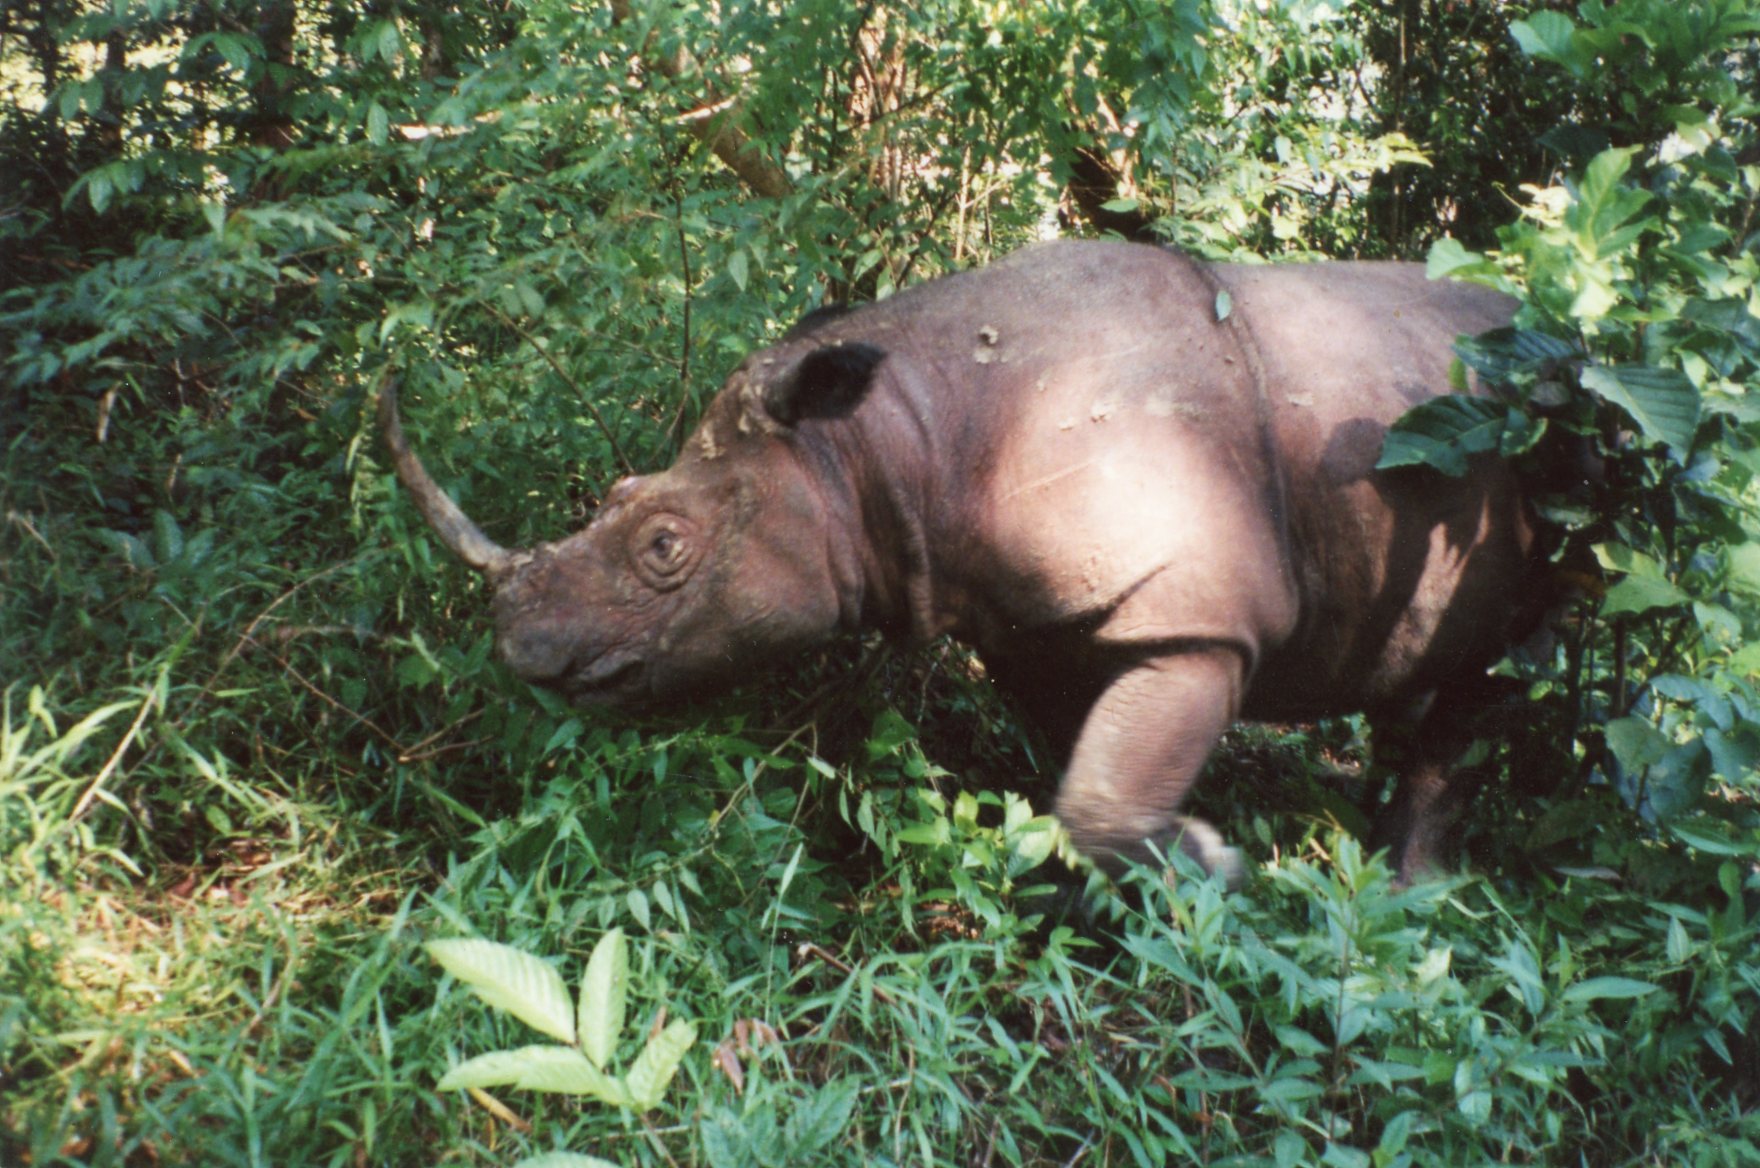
point(1635, 743)
point(1502, 354)
point(1638, 594)
point(1442, 433)
point(1599, 988)
point(818, 1122)
point(1662, 402)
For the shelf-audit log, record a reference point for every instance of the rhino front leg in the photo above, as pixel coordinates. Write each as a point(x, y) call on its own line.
point(1139, 750)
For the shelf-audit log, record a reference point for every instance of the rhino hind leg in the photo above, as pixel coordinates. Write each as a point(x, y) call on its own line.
point(1138, 752)
point(1430, 754)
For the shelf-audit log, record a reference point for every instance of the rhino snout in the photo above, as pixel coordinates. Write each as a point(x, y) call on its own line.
point(608, 678)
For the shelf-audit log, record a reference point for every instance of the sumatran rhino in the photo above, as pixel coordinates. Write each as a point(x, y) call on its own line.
point(1150, 512)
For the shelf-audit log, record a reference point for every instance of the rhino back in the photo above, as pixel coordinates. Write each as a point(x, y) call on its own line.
point(1103, 467)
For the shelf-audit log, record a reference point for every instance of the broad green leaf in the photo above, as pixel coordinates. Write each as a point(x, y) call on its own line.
point(1299, 1041)
point(563, 1070)
point(512, 980)
point(1605, 205)
point(658, 1062)
point(134, 552)
point(389, 41)
point(556, 1069)
point(1635, 743)
point(1502, 354)
point(1618, 557)
point(1290, 1089)
point(1599, 988)
point(100, 188)
point(1662, 402)
point(563, 1160)
point(1744, 568)
point(1224, 304)
point(1729, 315)
point(1638, 594)
point(1442, 433)
point(1745, 661)
point(236, 50)
point(167, 537)
point(1524, 974)
point(819, 1121)
point(1547, 35)
point(378, 124)
point(933, 833)
point(1715, 837)
point(1521, 433)
point(499, 1068)
point(1447, 257)
point(604, 989)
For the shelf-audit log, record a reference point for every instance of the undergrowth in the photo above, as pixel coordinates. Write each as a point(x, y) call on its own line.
point(255, 754)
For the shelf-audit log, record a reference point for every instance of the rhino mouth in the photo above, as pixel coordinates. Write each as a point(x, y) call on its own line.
point(607, 682)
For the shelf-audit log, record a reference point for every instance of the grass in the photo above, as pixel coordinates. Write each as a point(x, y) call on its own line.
point(244, 779)
point(269, 1003)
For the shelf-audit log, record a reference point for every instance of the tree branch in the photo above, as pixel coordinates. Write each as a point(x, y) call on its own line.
point(715, 123)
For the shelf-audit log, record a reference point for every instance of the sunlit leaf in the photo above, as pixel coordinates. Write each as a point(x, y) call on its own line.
point(654, 1067)
point(603, 991)
point(512, 980)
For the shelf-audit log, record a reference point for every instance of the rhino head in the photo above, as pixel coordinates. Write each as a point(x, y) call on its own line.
point(684, 579)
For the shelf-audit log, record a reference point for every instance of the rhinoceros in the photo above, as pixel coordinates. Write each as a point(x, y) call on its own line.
point(1143, 488)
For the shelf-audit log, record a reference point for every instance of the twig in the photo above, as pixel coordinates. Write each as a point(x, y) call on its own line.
point(654, 1139)
point(250, 629)
point(499, 1110)
point(573, 385)
point(420, 752)
point(812, 949)
point(684, 356)
point(324, 697)
point(24, 522)
point(91, 792)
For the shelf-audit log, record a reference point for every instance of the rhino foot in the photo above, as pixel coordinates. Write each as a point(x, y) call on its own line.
point(1205, 844)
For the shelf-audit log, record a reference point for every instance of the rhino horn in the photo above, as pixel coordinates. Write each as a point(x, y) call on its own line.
point(451, 524)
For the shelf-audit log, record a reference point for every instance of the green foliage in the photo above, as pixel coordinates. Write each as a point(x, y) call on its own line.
point(1628, 377)
point(511, 979)
point(255, 754)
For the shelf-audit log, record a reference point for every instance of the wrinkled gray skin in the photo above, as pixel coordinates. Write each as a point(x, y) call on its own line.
point(1148, 522)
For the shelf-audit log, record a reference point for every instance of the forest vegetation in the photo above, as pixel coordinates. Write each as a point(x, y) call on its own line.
point(266, 799)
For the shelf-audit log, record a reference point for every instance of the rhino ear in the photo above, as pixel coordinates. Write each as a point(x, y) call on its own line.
point(827, 382)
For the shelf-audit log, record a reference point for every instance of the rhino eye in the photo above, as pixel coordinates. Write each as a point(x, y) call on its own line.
point(663, 550)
